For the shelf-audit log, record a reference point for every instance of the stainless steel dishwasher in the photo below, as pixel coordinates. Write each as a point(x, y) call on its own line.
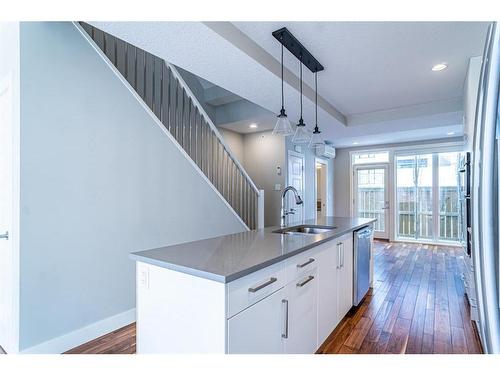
point(362, 255)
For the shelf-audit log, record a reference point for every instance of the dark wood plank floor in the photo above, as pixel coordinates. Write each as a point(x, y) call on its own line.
point(416, 306)
point(121, 341)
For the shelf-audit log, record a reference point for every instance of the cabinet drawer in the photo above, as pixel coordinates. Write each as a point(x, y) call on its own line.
point(252, 288)
point(303, 263)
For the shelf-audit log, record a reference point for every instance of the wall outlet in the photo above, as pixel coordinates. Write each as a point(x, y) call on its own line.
point(144, 277)
point(277, 187)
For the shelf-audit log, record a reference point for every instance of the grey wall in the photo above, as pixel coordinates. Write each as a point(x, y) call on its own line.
point(236, 142)
point(342, 169)
point(264, 152)
point(99, 179)
point(310, 177)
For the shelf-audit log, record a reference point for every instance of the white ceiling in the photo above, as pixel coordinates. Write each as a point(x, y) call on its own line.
point(374, 66)
point(377, 74)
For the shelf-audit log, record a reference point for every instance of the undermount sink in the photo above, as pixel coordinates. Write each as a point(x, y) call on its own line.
point(305, 229)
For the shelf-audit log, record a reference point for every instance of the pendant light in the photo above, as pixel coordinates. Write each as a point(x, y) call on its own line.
point(301, 135)
point(316, 138)
point(283, 126)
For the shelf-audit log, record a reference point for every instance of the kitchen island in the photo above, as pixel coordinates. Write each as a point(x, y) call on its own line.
point(251, 292)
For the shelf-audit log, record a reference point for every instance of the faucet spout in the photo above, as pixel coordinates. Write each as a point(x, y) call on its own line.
point(298, 200)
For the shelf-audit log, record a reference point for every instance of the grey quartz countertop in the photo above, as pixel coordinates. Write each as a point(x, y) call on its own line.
point(230, 257)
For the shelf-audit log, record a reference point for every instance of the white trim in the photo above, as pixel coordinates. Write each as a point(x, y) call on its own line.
point(155, 119)
point(12, 80)
point(303, 157)
point(387, 189)
point(81, 336)
point(328, 209)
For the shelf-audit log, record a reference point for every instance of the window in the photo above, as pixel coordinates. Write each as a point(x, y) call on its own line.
point(371, 157)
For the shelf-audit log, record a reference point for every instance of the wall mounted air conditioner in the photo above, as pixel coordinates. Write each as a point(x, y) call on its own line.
point(325, 151)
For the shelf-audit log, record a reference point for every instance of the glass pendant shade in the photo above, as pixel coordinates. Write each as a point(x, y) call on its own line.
point(283, 126)
point(301, 134)
point(316, 139)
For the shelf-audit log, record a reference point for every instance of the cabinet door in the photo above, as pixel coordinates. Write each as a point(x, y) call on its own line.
point(259, 328)
point(327, 293)
point(302, 296)
point(345, 277)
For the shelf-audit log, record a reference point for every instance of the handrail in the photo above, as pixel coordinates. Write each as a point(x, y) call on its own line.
point(209, 121)
point(164, 91)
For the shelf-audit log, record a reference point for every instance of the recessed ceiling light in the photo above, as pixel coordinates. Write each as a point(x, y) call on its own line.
point(438, 67)
point(450, 133)
point(253, 126)
point(355, 143)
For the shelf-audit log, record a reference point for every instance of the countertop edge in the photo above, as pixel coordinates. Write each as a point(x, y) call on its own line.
point(247, 271)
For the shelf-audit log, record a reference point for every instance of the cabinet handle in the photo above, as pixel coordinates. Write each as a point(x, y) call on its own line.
point(284, 333)
point(263, 285)
point(306, 263)
point(338, 256)
point(309, 278)
point(343, 254)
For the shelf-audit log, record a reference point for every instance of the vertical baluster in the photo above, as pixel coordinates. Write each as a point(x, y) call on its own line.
point(210, 150)
point(131, 65)
point(178, 123)
point(140, 73)
point(204, 148)
point(228, 178)
point(121, 48)
point(148, 79)
point(195, 135)
point(165, 96)
point(157, 85)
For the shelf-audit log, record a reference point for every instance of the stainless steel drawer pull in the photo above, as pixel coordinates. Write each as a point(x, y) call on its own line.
point(284, 333)
point(257, 288)
point(306, 263)
point(309, 278)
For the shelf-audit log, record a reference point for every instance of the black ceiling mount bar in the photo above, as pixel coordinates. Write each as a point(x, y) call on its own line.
point(291, 43)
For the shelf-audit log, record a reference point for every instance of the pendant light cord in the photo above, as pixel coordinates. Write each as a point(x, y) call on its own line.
point(301, 86)
point(282, 95)
point(316, 96)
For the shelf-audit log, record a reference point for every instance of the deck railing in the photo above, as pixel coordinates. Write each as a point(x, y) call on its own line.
point(371, 201)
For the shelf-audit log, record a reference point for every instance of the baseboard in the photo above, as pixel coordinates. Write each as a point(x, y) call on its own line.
point(80, 336)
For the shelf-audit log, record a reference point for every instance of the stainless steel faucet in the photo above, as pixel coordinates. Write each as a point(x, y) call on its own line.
point(298, 200)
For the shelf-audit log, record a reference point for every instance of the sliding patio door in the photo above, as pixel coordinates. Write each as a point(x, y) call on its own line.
point(427, 197)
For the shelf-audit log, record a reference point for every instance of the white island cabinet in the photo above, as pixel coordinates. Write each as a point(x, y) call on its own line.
point(288, 307)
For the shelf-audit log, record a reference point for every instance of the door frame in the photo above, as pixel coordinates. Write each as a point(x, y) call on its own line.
point(328, 203)
point(387, 195)
point(434, 152)
point(288, 174)
point(10, 82)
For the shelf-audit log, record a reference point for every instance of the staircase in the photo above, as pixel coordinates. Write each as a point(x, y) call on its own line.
point(164, 91)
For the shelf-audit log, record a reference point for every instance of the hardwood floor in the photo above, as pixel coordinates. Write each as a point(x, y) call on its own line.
point(121, 341)
point(416, 306)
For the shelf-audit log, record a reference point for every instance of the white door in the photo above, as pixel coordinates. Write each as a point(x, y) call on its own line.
point(344, 276)
point(302, 296)
point(7, 301)
point(327, 303)
point(295, 179)
point(321, 188)
point(259, 329)
point(371, 196)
